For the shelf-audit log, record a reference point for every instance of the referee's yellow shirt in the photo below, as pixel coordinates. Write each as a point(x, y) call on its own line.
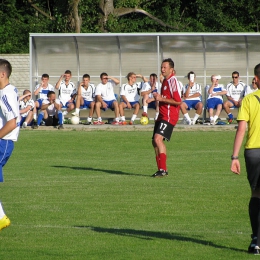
point(250, 112)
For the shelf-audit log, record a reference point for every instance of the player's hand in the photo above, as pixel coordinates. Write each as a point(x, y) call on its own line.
point(149, 100)
point(235, 166)
point(104, 105)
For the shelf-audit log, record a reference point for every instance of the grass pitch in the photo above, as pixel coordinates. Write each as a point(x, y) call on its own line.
point(89, 195)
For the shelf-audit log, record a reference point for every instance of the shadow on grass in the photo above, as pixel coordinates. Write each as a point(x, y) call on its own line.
point(99, 170)
point(150, 235)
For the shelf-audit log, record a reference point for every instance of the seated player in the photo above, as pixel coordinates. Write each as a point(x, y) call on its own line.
point(105, 98)
point(26, 105)
point(41, 90)
point(129, 94)
point(147, 94)
point(192, 99)
point(85, 97)
point(51, 112)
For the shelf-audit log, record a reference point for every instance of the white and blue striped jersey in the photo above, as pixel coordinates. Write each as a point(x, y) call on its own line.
point(146, 86)
point(23, 104)
point(9, 103)
point(216, 89)
point(65, 91)
point(196, 88)
point(87, 94)
point(44, 91)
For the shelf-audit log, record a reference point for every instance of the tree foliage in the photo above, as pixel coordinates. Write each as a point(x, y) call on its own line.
point(19, 18)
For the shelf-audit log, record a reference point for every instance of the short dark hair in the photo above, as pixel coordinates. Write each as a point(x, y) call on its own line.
point(67, 72)
point(50, 93)
point(6, 66)
point(235, 72)
point(170, 61)
point(191, 72)
point(257, 71)
point(45, 75)
point(153, 75)
point(103, 74)
point(86, 76)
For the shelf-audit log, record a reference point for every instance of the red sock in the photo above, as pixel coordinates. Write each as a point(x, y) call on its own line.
point(162, 161)
point(158, 161)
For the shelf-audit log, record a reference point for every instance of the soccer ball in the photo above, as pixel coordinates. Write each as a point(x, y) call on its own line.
point(74, 120)
point(144, 120)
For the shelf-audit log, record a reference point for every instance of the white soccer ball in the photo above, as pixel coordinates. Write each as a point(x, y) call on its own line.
point(144, 120)
point(74, 120)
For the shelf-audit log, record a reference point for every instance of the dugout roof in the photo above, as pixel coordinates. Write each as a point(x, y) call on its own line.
point(119, 53)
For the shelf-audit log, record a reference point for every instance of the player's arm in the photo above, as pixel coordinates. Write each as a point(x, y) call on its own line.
point(235, 164)
point(142, 77)
point(8, 127)
point(170, 101)
point(117, 81)
point(59, 81)
point(26, 109)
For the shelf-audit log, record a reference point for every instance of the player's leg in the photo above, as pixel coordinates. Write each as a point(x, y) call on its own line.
point(145, 105)
point(136, 107)
point(98, 107)
point(184, 107)
point(227, 105)
point(199, 108)
point(91, 107)
point(115, 107)
point(79, 102)
point(6, 149)
point(122, 105)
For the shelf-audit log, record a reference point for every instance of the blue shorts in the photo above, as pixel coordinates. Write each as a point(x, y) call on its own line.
point(152, 105)
point(23, 119)
point(214, 102)
point(6, 149)
point(67, 104)
point(132, 103)
point(233, 104)
point(191, 103)
point(87, 103)
point(109, 105)
point(40, 103)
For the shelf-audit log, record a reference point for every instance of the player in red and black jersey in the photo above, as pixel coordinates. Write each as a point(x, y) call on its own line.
point(169, 107)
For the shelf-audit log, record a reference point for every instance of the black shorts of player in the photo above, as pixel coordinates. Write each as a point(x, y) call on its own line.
point(51, 121)
point(252, 159)
point(163, 128)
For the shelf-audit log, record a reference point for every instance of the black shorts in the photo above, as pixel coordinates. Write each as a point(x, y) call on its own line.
point(51, 121)
point(252, 159)
point(163, 128)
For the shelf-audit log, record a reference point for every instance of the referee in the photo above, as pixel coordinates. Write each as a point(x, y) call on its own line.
point(249, 115)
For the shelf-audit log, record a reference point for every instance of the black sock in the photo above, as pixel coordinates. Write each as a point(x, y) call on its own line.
point(254, 214)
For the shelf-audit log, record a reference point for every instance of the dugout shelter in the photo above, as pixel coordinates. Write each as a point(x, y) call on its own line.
point(119, 53)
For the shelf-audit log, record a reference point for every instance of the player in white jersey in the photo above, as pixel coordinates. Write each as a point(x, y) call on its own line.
point(26, 105)
point(192, 99)
point(51, 112)
point(9, 124)
point(41, 90)
point(105, 97)
point(251, 88)
point(147, 94)
point(85, 97)
point(215, 99)
point(235, 94)
point(66, 88)
point(130, 96)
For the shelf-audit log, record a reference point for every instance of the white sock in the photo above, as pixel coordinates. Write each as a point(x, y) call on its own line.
point(2, 213)
point(117, 119)
point(34, 116)
point(215, 118)
point(211, 118)
point(133, 117)
point(187, 116)
point(145, 109)
point(122, 118)
point(156, 115)
point(99, 119)
point(77, 110)
point(65, 112)
point(89, 119)
point(195, 117)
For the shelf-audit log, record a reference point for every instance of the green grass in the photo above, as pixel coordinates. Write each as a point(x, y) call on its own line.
point(89, 195)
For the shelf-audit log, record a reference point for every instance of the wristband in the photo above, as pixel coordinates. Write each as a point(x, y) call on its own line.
point(155, 90)
point(234, 157)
